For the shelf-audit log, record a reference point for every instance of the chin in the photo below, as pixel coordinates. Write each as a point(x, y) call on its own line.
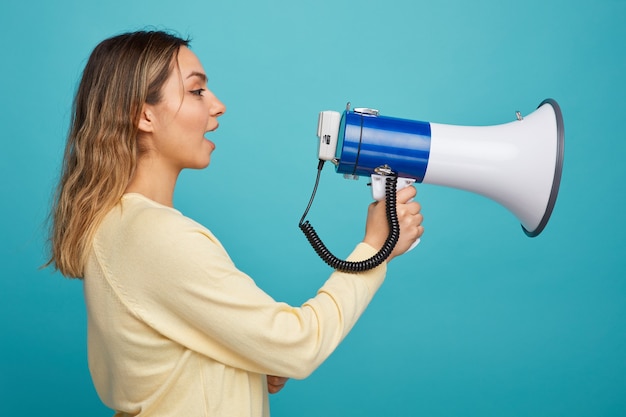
point(206, 158)
point(198, 163)
point(203, 164)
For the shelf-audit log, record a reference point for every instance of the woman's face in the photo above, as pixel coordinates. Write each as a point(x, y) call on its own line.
point(186, 112)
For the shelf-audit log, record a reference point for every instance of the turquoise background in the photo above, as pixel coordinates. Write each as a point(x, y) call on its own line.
point(478, 321)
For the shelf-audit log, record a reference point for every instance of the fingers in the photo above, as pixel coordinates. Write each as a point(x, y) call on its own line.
point(275, 383)
point(406, 194)
point(409, 210)
point(410, 219)
point(413, 207)
point(411, 225)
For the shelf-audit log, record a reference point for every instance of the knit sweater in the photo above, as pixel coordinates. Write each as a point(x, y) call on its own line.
point(175, 329)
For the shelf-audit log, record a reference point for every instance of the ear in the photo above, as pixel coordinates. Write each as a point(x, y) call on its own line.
point(146, 119)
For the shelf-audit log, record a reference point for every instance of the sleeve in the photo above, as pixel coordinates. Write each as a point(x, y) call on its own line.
point(184, 285)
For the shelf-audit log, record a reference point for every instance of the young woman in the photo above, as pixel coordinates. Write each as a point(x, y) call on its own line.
point(174, 328)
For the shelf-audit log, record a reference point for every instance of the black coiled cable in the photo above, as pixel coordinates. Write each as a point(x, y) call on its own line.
point(378, 258)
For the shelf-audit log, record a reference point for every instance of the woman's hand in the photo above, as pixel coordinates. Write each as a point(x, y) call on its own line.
point(409, 218)
point(275, 383)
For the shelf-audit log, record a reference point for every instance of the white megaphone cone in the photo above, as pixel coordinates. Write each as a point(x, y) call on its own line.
point(517, 164)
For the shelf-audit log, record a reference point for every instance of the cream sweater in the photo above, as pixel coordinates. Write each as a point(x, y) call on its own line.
point(175, 329)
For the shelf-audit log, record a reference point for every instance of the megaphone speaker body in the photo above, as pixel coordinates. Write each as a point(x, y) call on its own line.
point(518, 164)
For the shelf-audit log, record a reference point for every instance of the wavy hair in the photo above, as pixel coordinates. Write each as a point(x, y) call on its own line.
point(122, 74)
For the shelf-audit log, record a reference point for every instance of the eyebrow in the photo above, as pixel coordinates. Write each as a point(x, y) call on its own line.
point(200, 75)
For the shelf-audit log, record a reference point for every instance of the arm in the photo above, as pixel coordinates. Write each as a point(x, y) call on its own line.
point(411, 220)
point(184, 285)
point(176, 277)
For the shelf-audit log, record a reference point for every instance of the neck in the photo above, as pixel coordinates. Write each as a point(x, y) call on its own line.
point(154, 181)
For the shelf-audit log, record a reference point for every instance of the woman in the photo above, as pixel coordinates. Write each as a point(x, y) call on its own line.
point(174, 329)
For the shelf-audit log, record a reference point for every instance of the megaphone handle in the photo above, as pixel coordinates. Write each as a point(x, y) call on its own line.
point(378, 185)
point(378, 192)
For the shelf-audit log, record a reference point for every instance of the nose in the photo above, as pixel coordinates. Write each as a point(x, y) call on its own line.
point(217, 107)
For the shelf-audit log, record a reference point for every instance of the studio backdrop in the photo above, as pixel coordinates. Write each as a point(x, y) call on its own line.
point(480, 319)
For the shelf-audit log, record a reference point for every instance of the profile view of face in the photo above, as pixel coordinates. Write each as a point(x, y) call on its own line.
point(187, 111)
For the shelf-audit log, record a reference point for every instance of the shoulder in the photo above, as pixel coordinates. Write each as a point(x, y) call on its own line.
point(142, 243)
point(138, 212)
point(139, 222)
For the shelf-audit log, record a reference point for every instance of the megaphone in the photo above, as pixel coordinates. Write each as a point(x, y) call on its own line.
point(517, 164)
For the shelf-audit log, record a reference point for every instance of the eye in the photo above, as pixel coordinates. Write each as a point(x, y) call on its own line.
point(198, 92)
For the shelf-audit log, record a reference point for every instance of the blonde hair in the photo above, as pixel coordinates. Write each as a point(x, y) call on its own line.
point(122, 74)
